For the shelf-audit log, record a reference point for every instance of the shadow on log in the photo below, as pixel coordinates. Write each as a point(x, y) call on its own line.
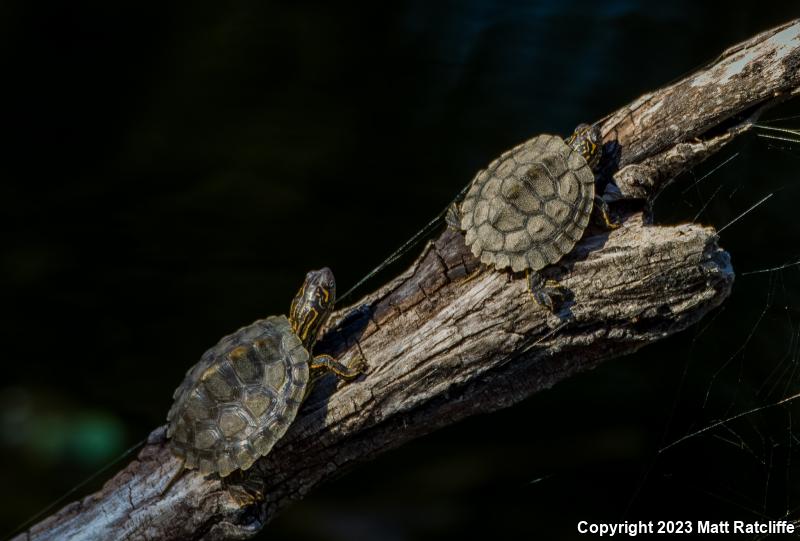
point(449, 338)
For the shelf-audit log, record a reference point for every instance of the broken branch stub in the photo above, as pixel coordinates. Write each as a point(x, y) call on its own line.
point(449, 338)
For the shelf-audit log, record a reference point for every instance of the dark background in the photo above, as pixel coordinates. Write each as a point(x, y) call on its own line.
point(170, 173)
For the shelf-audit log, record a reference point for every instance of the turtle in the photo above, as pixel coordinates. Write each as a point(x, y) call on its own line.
point(530, 207)
point(244, 393)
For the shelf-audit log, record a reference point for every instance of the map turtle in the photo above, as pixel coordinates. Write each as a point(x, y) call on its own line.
point(531, 206)
point(244, 393)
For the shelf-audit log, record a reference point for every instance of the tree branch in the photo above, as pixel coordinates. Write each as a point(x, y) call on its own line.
point(449, 338)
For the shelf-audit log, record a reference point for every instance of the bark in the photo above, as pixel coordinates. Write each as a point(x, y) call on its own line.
point(450, 338)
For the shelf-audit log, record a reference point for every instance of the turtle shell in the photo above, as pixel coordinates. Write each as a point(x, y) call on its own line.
point(240, 398)
point(530, 206)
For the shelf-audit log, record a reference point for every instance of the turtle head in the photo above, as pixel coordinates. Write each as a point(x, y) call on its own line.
point(587, 140)
point(312, 305)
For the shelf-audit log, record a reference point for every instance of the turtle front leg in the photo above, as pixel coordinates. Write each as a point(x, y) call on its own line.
point(326, 362)
point(547, 293)
point(600, 214)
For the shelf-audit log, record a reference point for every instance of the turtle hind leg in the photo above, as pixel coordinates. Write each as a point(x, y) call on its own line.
point(600, 214)
point(452, 217)
point(244, 488)
point(546, 293)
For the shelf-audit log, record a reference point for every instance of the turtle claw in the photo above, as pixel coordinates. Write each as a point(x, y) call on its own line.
point(359, 365)
point(601, 214)
point(543, 298)
point(245, 489)
point(547, 293)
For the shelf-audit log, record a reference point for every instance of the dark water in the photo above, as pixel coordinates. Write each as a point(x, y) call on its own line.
point(170, 174)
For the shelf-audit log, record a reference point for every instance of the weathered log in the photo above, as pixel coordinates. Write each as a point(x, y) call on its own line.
point(449, 338)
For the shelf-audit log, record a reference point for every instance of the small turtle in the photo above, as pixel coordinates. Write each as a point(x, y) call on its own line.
point(243, 394)
point(531, 205)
